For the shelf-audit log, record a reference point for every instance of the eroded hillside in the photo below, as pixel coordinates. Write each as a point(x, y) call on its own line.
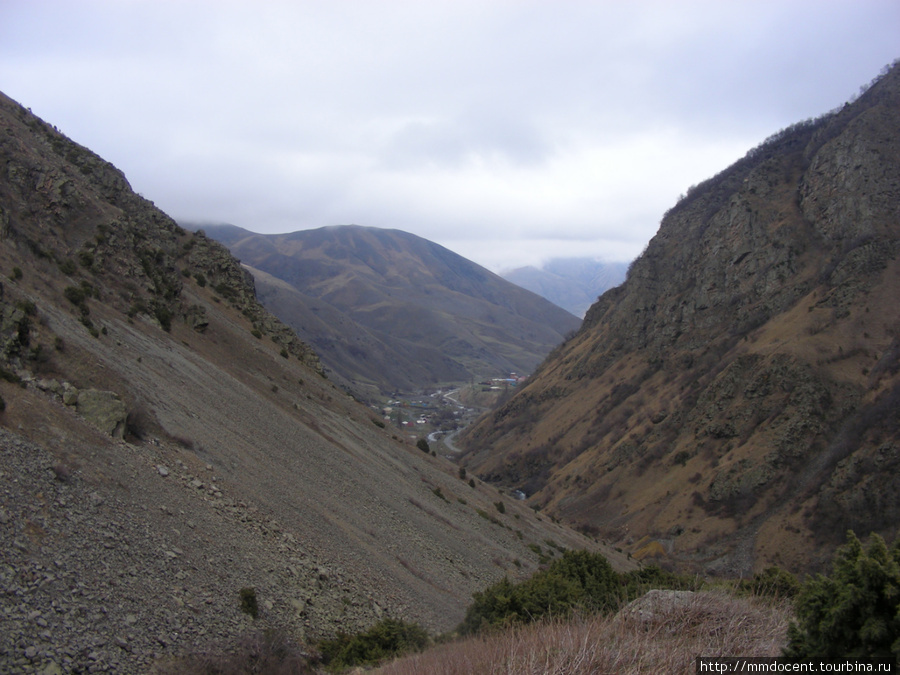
point(166, 443)
point(734, 403)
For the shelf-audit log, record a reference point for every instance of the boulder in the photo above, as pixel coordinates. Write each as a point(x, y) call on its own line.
point(655, 605)
point(103, 409)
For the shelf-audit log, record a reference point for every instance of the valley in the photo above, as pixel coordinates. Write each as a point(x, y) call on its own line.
point(331, 432)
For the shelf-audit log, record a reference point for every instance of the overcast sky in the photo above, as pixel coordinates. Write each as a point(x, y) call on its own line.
point(508, 131)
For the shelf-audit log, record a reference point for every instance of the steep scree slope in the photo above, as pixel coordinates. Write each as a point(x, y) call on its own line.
point(166, 442)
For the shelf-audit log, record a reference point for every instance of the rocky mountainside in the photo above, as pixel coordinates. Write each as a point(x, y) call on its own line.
point(571, 283)
point(166, 443)
point(387, 310)
point(735, 402)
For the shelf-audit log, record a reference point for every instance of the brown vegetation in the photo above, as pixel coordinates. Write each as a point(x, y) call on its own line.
point(709, 624)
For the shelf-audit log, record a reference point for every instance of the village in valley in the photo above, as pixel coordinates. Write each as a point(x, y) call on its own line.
point(437, 414)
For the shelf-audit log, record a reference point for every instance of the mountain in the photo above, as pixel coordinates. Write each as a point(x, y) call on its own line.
point(388, 310)
point(571, 283)
point(169, 449)
point(734, 404)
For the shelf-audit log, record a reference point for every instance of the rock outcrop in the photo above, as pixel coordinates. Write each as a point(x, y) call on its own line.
point(104, 409)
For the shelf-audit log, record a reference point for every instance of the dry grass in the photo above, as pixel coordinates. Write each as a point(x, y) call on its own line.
point(709, 624)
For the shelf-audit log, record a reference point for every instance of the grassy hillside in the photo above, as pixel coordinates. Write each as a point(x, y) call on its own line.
point(403, 312)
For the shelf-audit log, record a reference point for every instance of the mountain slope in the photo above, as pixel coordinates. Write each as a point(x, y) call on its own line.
point(416, 313)
point(571, 283)
point(166, 442)
point(734, 403)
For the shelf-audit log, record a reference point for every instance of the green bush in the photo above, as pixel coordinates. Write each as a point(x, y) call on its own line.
point(248, 602)
point(854, 613)
point(75, 294)
point(422, 445)
point(163, 314)
point(387, 639)
point(771, 582)
point(579, 580)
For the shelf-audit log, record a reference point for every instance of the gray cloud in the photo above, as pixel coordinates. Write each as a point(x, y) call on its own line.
point(510, 130)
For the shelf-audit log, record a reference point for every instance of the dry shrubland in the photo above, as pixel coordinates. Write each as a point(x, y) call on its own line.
point(665, 640)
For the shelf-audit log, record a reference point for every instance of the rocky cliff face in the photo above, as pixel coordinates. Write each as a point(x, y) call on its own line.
point(733, 404)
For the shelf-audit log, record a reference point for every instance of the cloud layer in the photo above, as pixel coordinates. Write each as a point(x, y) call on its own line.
point(509, 131)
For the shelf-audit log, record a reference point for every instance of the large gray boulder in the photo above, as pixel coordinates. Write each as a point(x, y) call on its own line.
point(103, 409)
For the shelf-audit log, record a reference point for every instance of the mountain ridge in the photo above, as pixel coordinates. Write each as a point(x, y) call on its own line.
point(440, 318)
point(725, 407)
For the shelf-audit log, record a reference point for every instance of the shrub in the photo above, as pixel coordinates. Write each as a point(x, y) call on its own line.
point(27, 306)
point(75, 294)
point(855, 613)
point(248, 602)
point(16, 273)
point(270, 652)
point(163, 314)
point(138, 422)
point(578, 580)
point(386, 639)
point(771, 582)
point(422, 445)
